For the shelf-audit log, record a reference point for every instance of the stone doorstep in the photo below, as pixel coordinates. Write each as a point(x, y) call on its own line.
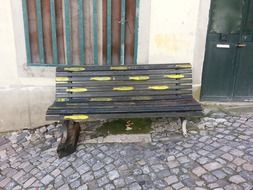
point(132, 138)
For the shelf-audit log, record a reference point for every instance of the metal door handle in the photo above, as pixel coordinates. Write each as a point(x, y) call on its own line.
point(241, 45)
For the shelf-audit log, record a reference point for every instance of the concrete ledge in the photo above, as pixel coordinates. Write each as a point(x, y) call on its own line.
point(138, 138)
point(228, 107)
point(24, 106)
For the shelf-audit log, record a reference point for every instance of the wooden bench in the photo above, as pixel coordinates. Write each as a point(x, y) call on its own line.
point(86, 93)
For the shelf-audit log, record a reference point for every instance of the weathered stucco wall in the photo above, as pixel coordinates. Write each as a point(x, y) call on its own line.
point(170, 31)
point(25, 93)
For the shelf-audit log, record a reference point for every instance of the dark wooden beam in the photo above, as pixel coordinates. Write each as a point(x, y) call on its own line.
point(69, 139)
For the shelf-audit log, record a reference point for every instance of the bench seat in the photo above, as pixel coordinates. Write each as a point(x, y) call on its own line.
point(85, 93)
point(154, 108)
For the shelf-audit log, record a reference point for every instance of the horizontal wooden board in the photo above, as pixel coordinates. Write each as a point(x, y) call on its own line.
point(106, 89)
point(93, 117)
point(124, 93)
point(123, 83)
point(123, 73)
point(130, 67)
point(120, 78)
point(130, 109)
point(125, 107)
point(125, 98)
point(93, 104)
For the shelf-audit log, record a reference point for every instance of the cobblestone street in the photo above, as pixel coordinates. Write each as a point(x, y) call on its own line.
point(219, 155)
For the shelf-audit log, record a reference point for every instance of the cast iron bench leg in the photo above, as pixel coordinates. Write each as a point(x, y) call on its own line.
point(69, 139)
point(184, 126)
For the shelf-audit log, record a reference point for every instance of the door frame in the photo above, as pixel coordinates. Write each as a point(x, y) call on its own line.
point(235, 63)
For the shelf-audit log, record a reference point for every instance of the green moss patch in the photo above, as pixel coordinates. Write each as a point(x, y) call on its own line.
point(115, 127)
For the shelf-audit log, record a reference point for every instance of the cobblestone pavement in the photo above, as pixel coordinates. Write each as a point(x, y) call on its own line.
point(219, 157)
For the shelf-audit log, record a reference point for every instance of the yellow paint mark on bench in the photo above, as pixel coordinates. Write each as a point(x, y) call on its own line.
point(62, 99)
point(101, 78)
point(119, 68)
point(76, 104)
point(101, 99)
point(139, 78)
point(62, 79)
point(61, 82)
point(142, 98)
point(76, 117)
point(123, 88)
point(159, 87)
point(177, 76)
point(74, 69)
point(77, 90)
point(184, 66)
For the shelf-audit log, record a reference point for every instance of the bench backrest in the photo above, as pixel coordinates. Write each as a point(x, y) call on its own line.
point(123, 83)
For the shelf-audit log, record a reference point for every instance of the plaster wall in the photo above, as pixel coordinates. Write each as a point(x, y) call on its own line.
point(178, 33)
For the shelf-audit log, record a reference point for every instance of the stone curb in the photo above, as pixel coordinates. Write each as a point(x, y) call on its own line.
point(133, 138)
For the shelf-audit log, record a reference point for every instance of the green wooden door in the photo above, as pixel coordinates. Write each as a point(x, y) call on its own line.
point(228, 66)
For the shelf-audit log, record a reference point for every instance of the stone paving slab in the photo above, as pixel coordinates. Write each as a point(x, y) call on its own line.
point(219, 155)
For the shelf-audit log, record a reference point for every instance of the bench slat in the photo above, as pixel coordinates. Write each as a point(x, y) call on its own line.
point(123, 83)
point(126, 78)
point(144, 88)
point(125, 99)
point(93, 117)
point(59, 105)
point(129, 67)
point(130, 109)
point(124, 93)
point(168, 105)
point(123, 73)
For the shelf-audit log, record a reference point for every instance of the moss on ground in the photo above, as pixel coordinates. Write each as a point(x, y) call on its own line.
point(118, 126)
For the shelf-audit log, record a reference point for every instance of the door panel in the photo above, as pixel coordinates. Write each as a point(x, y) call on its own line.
point(244, 83)
point(226, 16)
point(249, 18)
point(243, 88)
point(219, 57)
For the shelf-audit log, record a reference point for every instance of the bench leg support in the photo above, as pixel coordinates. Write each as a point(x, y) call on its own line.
point(184, 126)
point(69, 139)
